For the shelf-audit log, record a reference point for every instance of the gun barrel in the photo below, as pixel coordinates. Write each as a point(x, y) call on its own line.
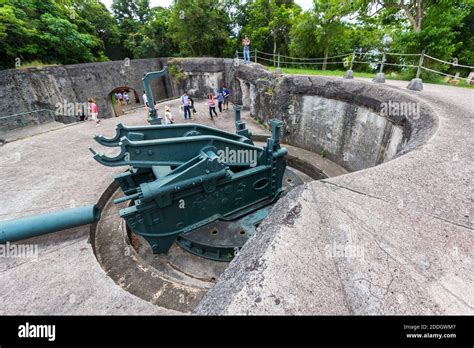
point(32, 226)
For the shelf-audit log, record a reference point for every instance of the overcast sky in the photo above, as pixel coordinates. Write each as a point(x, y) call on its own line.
point(305, 4)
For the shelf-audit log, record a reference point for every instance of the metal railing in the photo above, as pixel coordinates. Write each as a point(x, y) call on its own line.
point(357, 57)
point(38, 118)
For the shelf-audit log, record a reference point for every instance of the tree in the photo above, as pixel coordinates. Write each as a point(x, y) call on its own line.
point(46, 30)
point(102, 24)
point(321, 30)
point(153, 39)
point(268, 23)
point(201, 28)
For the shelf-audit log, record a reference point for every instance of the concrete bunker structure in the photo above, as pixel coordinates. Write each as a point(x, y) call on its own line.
point(392, 236)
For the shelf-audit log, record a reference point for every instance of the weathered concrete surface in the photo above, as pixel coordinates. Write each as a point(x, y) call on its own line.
point(393, 239)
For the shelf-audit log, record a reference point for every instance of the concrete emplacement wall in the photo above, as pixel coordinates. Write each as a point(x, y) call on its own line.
point(352, 123)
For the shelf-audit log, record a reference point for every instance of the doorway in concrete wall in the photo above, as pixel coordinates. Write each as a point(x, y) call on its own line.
point(122, 100)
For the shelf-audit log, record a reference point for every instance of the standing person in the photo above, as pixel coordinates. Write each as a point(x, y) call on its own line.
point(246, 44)
point(212, 105)
point(127, 98)
point(226, 98)
point(120, 97)
point(185, 103)
point(168, 118)
point(193, 109)
point(145, 100)
point(220, 99)
point(94, 111)
point(156, 111)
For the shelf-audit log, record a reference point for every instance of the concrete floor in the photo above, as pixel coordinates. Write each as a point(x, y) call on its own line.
point(394, 239)
point(54, 170)
point(413, 217)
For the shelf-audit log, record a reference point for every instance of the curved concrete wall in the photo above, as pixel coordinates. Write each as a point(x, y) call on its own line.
point(346, 120)
point(41, 88)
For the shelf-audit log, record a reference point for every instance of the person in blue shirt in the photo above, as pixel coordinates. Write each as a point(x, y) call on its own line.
point(220, 99)
point(226, 98)
point(185, 103)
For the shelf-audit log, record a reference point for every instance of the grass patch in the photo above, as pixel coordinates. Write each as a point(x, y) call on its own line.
point(34, 64)
point(429, 78)
point(340, 73)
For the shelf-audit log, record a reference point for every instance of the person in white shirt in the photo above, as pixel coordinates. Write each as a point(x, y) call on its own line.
point(185, 103)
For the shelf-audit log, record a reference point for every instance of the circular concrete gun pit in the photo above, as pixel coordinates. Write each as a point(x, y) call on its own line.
point(178, 279)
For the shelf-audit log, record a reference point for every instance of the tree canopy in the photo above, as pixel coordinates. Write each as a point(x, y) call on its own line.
point(78, 31)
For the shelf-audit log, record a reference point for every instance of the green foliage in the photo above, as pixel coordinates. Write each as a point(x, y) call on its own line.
point(322, 30)
point(201, 28)
point(152, 39)
point(78, 31)
point(176, 72)
point(47, 30)
point(268, 24)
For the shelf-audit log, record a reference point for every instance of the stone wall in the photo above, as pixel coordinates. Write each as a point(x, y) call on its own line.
point(340, 119)
point(42, 88)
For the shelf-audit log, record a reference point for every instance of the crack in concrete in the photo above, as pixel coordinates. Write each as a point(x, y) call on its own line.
point(336, 267)
point(389, 202)
point(366, 229)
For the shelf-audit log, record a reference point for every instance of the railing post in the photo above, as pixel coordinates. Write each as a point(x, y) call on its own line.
point(278, 69)
point(380, 76)
point(420, 64)
point(349, 73)
point(352, 60)
point(416, 84)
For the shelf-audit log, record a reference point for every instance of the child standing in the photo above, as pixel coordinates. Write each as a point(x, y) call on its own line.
point(212, 105)
point(168, 118)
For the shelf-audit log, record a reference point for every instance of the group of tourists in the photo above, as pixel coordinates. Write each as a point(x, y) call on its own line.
point(221, 100)
point(123, 98)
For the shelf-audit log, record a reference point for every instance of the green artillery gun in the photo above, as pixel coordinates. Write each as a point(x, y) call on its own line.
point(185, 178)
point(201, 187)
point(32, 226)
